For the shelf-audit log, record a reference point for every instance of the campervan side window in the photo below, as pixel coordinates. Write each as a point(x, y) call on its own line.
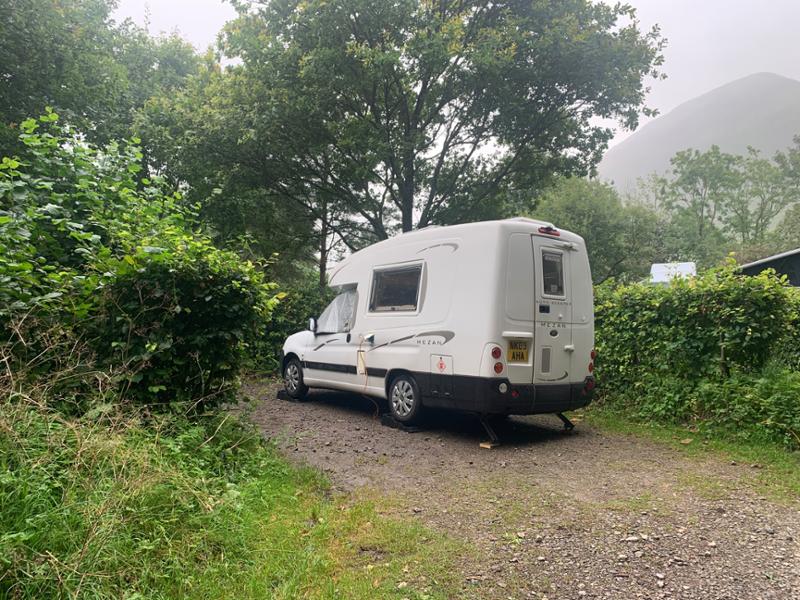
point(553, 273)
point(396, 289)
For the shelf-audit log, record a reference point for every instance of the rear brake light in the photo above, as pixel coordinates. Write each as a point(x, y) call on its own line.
point(549, 231)
point(593, 354)
point(496, 353)
point(498, 367)
point(591, 367)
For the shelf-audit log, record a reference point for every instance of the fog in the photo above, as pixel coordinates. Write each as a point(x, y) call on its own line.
point(716, 41)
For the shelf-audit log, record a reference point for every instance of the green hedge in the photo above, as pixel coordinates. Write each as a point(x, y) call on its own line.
point(290, 315)
point(787, 348)
point(181, 321)
point(94, 253)
point(714, 350)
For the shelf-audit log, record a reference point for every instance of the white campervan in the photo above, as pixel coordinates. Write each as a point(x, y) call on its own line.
point(493, 318)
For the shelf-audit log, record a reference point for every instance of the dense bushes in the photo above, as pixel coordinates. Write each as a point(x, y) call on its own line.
point(115, 261)
point(786, 350)
point(112, 303)
point(711, 350)
point(290, 315)
point(180, 319)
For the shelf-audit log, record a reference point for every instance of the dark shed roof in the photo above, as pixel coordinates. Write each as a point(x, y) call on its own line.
point(785, 263)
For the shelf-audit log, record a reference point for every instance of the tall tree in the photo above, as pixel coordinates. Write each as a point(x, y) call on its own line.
point(69, 54)
point(701, 183)
point(787, 233)
point(763, 192)
point(199, 139)
point(414, 112)
point(56, 53)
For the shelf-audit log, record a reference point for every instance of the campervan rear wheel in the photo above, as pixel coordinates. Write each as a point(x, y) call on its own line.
point(404, 399)
point(293, 380)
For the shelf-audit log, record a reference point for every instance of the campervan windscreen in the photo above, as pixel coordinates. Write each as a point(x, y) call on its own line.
point(338, 316)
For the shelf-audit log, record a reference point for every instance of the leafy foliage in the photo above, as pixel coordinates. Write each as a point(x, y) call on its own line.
point(113, 294)
point(72, 56)
point(713, 202)
point(365, 117)
point(289, 316)
point(197, 138)
point(697, 350)
point(420, 90)
point(114, 257)
point(179, 318)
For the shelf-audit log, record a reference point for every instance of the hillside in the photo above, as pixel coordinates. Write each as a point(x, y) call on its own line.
point(761, 110)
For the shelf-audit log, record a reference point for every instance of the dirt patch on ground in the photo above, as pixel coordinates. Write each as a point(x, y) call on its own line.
point(585, 514)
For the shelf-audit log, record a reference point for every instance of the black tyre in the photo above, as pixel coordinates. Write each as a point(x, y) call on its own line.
point(405, 403)
point(293, 379)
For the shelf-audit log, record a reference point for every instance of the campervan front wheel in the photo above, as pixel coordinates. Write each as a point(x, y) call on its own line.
point(404, 399)
point(293, 380)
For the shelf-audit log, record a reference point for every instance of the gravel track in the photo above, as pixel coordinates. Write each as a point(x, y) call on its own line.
point(586, 514)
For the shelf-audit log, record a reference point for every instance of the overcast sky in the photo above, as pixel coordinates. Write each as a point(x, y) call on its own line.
point(711, 42)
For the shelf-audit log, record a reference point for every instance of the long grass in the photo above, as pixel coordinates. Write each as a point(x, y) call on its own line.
point(167, 508)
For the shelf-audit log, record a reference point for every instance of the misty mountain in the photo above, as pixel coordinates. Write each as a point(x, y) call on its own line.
point(761, 110)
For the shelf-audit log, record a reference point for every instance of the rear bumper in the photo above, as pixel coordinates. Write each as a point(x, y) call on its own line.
point(483, 395)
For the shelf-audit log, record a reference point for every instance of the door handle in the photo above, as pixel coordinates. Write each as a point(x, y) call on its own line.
point(569, 348)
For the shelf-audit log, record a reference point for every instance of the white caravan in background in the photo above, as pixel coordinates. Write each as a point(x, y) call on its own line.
point(494, 318)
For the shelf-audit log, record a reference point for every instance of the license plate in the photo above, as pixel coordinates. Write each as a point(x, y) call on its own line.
point(517, 351)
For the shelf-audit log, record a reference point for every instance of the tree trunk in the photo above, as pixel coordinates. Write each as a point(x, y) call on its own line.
point(323, 254)
point(407, 192)
point(408, 214)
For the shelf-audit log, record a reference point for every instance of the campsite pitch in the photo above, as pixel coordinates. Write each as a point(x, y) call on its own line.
point(548, 514)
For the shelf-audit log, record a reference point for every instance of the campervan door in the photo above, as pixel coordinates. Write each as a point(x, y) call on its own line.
point(553, 342)
point(538, 311)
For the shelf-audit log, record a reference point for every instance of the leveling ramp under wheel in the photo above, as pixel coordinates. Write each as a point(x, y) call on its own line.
point(388, 420)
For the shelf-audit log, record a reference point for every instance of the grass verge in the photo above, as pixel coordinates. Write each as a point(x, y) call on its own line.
point(178, 509)
point(776, 470)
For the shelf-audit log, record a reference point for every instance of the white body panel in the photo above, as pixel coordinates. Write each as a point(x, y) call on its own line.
point(481, 286)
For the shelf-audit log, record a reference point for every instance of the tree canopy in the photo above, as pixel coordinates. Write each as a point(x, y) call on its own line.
point(416, 112)
point(72, 56)
point(320, 126)
point(716, 202)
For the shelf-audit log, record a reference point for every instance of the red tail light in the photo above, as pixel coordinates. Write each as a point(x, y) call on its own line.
point(496, 353)
point(593, 354)
point(498, 367)
point(591, 367)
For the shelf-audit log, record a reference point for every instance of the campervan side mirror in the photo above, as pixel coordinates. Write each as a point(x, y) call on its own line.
point(312, 325)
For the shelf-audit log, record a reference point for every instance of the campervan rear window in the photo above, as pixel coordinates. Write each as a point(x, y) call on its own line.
point(553, 273)
point(395, 289)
